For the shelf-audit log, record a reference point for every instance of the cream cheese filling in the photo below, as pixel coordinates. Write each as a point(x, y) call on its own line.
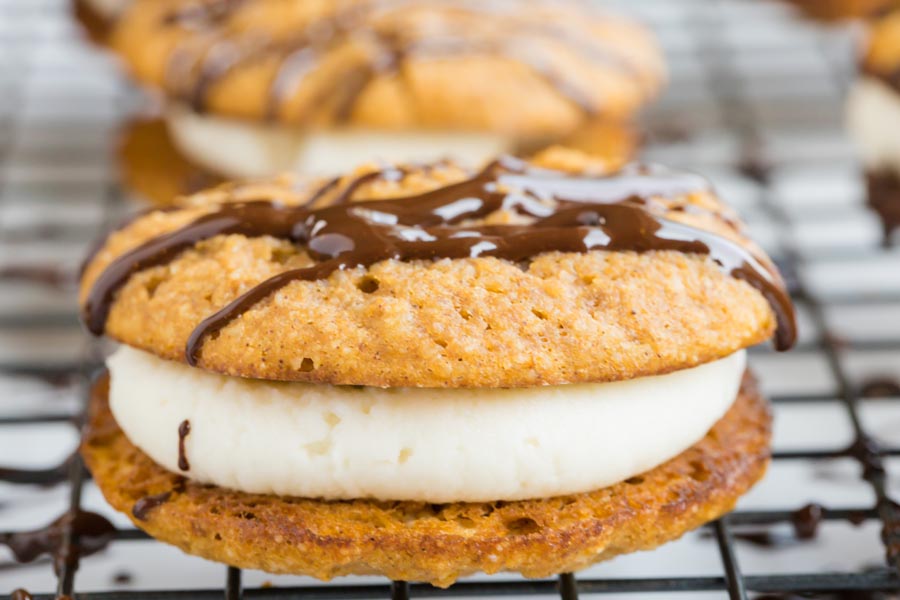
point(242, 149)
point(873, 119)
point(432, 445)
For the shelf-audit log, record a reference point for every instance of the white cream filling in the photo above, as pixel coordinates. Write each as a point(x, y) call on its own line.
point(873, 118)
point(242, 149)
point(108, 9)
point(433, 445)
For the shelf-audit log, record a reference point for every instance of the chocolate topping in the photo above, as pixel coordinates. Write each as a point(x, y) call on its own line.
point(571, 213)
point(142, 507)
point(183, 430)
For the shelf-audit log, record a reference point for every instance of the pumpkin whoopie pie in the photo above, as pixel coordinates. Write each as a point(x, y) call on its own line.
point(425, 372)
point(873, 116)
point(258, 88)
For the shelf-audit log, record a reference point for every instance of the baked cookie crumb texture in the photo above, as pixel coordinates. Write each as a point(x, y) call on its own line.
point(443, 278)
point(413, 541)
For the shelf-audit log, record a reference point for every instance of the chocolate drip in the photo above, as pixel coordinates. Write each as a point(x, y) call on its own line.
point(144, 506)
point(48, 275)
point(571, 214)
point(192, 72)
point(805, 523)
point(123, 578)
point(90, 533)
point(183, 430)
point(880, 387)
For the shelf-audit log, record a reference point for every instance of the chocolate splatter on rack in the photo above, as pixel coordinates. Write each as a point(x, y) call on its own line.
point(387, 41)
point(571, 213)
point(91, 533)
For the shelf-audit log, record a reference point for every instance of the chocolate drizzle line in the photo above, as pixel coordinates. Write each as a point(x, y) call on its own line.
point(571, 214)
point(183, 430)
point(142, 507)
point(90, 532)
point(193, 71)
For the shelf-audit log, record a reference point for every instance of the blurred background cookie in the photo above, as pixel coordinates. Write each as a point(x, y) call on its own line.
point(873, 116)
point(274, 85)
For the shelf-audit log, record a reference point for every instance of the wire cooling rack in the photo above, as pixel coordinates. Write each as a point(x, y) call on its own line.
point(755, 103)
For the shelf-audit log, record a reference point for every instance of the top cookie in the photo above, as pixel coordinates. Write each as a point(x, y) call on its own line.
point(882, 55)
point(532, 68)
point(429, 276)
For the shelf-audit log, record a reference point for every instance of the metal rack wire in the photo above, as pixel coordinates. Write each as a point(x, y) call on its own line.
point(46, 164)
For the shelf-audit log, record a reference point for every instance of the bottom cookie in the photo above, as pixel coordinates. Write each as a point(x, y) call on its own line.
point(414, 541)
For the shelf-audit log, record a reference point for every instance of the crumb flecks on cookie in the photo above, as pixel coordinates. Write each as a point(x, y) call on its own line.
point(555, 310)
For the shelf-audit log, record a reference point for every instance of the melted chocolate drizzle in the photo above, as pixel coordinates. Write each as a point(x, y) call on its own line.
point(804, 521)
point(880, 387)
point(571, 214)
point(183, 431)
point(144, 506)
point(193, 72)
point(90, 534)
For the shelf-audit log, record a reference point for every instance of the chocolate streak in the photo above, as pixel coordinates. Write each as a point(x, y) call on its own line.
point(572, 214)
point(183, 430)
point(142, 507)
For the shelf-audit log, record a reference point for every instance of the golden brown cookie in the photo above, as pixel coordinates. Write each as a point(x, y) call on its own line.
point(649, 303)
point(434, 543)
point(152, 167)
point(532, 69)
point(882, 55)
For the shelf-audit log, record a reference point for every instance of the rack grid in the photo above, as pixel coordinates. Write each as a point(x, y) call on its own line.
point(756, 102)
